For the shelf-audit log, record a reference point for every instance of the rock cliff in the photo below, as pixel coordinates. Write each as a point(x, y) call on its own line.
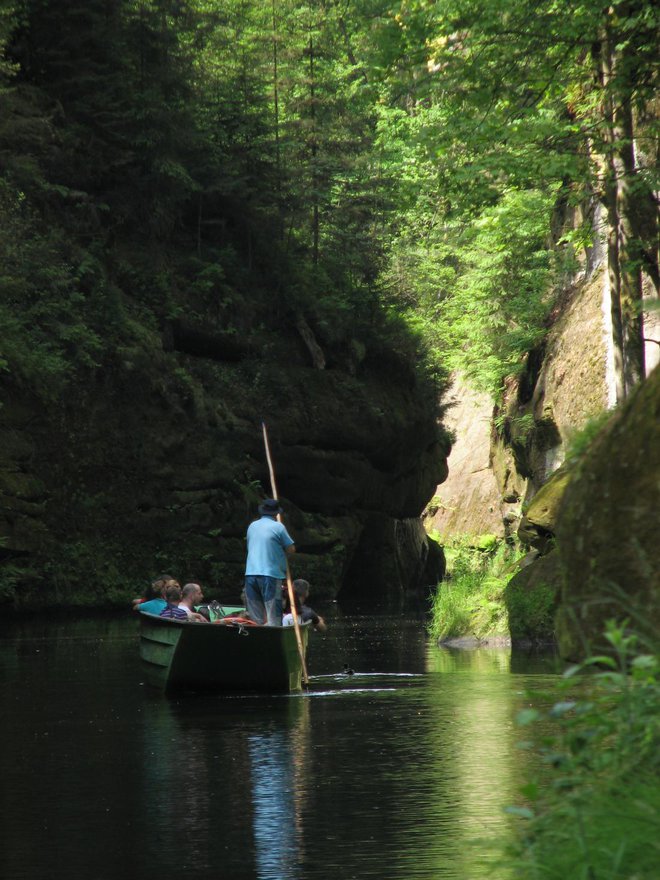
point(588, 519)
point(501, 457)
point(154, 460)
point(607, 530)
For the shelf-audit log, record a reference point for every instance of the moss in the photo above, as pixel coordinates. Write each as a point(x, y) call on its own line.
point(155, 460)
point(532, 613)
point(543, 508)
point(607, 528)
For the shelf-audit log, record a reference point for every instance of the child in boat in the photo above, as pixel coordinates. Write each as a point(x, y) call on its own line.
point(305, 613)
point(172, 610)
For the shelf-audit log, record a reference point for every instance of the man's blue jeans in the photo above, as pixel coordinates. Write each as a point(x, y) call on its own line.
point(263, 597)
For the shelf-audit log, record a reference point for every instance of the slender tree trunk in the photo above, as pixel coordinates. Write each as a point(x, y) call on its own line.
point(613, 269)
point(604, 59)
point(276, 102)
point(314, 156)
point(621, 85)
point(624, 245)
point(629, 248)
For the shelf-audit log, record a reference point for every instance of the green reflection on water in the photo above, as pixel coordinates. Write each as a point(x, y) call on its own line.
point(397, 774)
point(474, 767)
point(477, 660)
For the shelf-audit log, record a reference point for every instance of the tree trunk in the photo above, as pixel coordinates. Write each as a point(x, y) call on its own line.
point(629, 247)
point(314, 157)
point(624, 247)
point(276, 110)
point(613, 270)
point(605, 62)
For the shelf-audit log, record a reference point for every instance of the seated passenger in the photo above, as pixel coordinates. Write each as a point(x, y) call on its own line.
point(301, 594)
point(155, 599)
point(172, 610)
point(192, 595)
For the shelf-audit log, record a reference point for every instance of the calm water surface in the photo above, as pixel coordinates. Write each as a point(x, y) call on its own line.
point(400, 771)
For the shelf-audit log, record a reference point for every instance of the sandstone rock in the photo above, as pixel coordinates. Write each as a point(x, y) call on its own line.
point(562, 386)
point(607, 529)
point(469, 500)
point(537, 527)
point(531, 598)
point(571, 386)
point(159, 465)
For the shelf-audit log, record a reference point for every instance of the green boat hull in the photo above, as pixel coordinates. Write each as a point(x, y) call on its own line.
point(176, 654)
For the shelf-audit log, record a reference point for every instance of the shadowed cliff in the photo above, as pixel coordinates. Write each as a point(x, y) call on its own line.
point(154, 460)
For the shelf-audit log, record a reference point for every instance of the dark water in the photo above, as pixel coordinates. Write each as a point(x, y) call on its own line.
point(395, 772)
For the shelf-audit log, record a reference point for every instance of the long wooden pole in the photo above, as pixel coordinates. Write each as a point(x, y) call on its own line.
point(289, 582)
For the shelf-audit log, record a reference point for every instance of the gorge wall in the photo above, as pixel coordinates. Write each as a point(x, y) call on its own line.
point(574, 480)
point(154, 461)
point(501, 457)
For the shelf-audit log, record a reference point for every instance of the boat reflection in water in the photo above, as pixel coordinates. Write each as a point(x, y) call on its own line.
point(229, 771)
point(279, 783)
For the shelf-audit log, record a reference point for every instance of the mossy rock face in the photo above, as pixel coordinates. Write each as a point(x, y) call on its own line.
point(157, 464)
point(607, 529)
point(531, 598)
point(537, 527)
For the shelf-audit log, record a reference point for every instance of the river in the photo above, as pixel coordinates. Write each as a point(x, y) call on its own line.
point(400, 771)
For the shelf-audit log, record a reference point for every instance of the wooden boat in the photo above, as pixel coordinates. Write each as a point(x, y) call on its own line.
point(222, 657)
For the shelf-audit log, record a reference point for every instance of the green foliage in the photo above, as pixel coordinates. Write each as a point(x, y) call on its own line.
point(580, 441)
point(476, 598)
point(11, 574)
point(493, 114)
point(8, 22)
point(470, 599)
point(598, 818)
point(496, 312)
point(45, 301)
point(531, 613)
point(472, 250)
point(399, 153)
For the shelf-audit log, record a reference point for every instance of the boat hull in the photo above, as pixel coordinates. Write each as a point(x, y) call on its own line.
point(177, 654)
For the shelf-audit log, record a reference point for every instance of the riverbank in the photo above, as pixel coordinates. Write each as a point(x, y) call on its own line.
point(600, 815)
point(594, 809)
point(477, 605)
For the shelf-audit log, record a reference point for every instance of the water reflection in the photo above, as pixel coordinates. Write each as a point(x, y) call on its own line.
point(278, 766)
point(392, 773)
point(480, 661)
point(472, 706)
point(230, 772)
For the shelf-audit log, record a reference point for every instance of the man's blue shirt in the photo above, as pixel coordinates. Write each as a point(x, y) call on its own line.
point(267, 540)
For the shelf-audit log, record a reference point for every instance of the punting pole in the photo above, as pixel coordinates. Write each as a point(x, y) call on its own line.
point(289, 582)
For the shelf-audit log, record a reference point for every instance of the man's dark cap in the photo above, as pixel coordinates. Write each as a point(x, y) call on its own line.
point(270, 507)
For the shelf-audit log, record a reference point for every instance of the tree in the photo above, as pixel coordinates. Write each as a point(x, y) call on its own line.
point(489, 95)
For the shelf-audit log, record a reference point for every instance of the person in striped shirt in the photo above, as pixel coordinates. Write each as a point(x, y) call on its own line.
point(172, 610)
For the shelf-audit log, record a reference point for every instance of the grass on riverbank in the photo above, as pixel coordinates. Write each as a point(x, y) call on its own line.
point(599, 819)
point(470, 601)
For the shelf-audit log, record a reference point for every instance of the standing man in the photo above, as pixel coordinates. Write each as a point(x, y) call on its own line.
point(268, 543)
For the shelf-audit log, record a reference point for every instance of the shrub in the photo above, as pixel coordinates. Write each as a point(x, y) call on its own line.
point(599, 818)
point(470, 599)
